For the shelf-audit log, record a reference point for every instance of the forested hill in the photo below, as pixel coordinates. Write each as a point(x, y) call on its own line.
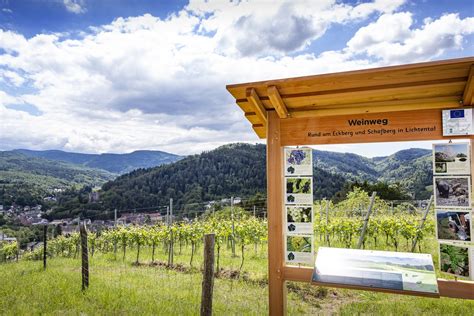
point(230, 170)
point(411, 168)
point(26, 180)
point(116, 163)
point(239, 170)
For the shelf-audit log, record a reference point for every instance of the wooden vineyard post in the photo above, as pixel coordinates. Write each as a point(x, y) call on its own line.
point(170, 227)
point(366, 220)
point(233, 225)
point(276, 282)
point(85, 257)
point(415, 240)
point(208, 275)
point(45, 246)
point(327, 222)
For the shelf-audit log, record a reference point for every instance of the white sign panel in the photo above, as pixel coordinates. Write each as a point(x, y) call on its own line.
point(456, 259)
point(454, 225)
point(451, 159)
point(452, 192)
point(298, 161)
point(299, 249)
point(299, 219)
point(398, 271)
point(299, 190)
point(458, 122)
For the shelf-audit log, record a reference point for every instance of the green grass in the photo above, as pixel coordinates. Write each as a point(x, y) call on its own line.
point(372, 303)
point(121, 288)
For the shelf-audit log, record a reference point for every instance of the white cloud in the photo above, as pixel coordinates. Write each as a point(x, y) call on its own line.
point(150, 83)
point(393, 39)
point(268, 27)
point(75, 6)
point(11, 77)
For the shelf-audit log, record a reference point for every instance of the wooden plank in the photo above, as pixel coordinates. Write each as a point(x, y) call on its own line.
point(447, 288)
point(456, 289)
point(413, 103)
point(437, 70)
point(389, 94)
point(375, 107)
point(364, 128)
point(260, 130)
point(276, 283)
point(277, 102)
point(252, 118)
point(469, 89)
point(253, 98)
point(369, 108)
point(443, 85)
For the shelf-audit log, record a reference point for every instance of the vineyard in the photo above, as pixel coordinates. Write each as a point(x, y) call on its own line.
point(127, 258)
point(389, 229)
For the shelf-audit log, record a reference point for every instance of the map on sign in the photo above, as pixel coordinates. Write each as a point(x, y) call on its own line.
point(397, 271)
point(458, 122)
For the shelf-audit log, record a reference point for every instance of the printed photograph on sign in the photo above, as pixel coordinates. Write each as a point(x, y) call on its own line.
point(376, 269)
point(299, 190)
point(298, 161)
point(451, 159)
point(299, 219)
point(454, 259)
point(452, 192)
point(299, 249)
point(458, 122)
point(454, 225)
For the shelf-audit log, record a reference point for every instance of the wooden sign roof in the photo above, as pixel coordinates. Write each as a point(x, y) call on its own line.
point(430, 85)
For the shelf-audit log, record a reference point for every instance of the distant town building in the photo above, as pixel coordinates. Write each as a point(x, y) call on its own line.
point(5, 238)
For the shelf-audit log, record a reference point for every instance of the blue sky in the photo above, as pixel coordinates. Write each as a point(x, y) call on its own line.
point(118, 76)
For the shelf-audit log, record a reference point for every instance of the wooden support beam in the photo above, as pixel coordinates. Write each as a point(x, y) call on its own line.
point(276, 282)
point(277, 102)
point(447, 288)
point(254, 99)
point(468, 95)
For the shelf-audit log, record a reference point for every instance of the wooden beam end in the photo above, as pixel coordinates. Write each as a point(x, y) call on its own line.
point(277, 102)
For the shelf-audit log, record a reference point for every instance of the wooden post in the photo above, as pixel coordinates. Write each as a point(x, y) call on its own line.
point(276, 283)
point(208, 275)
point(115, 217)
point(171, 253)
point(415, 240)
point(233, 225)
point(45, 245)
point(366, 220)
point(327, 221)
point(85, 257)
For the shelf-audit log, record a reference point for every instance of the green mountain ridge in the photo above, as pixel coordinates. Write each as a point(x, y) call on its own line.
point(115, 163)
point(230, 170)
point(239, 170)
point(26, 180)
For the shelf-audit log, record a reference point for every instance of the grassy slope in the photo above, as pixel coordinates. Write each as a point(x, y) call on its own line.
point(120, 288)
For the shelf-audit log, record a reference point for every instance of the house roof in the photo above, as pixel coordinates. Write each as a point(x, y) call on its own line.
point(429, 85)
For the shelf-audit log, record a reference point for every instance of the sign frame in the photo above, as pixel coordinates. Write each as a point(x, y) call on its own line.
point(293, 132)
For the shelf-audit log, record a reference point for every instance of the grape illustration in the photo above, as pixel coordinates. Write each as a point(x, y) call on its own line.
point(296, 157)
point(306, 187)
